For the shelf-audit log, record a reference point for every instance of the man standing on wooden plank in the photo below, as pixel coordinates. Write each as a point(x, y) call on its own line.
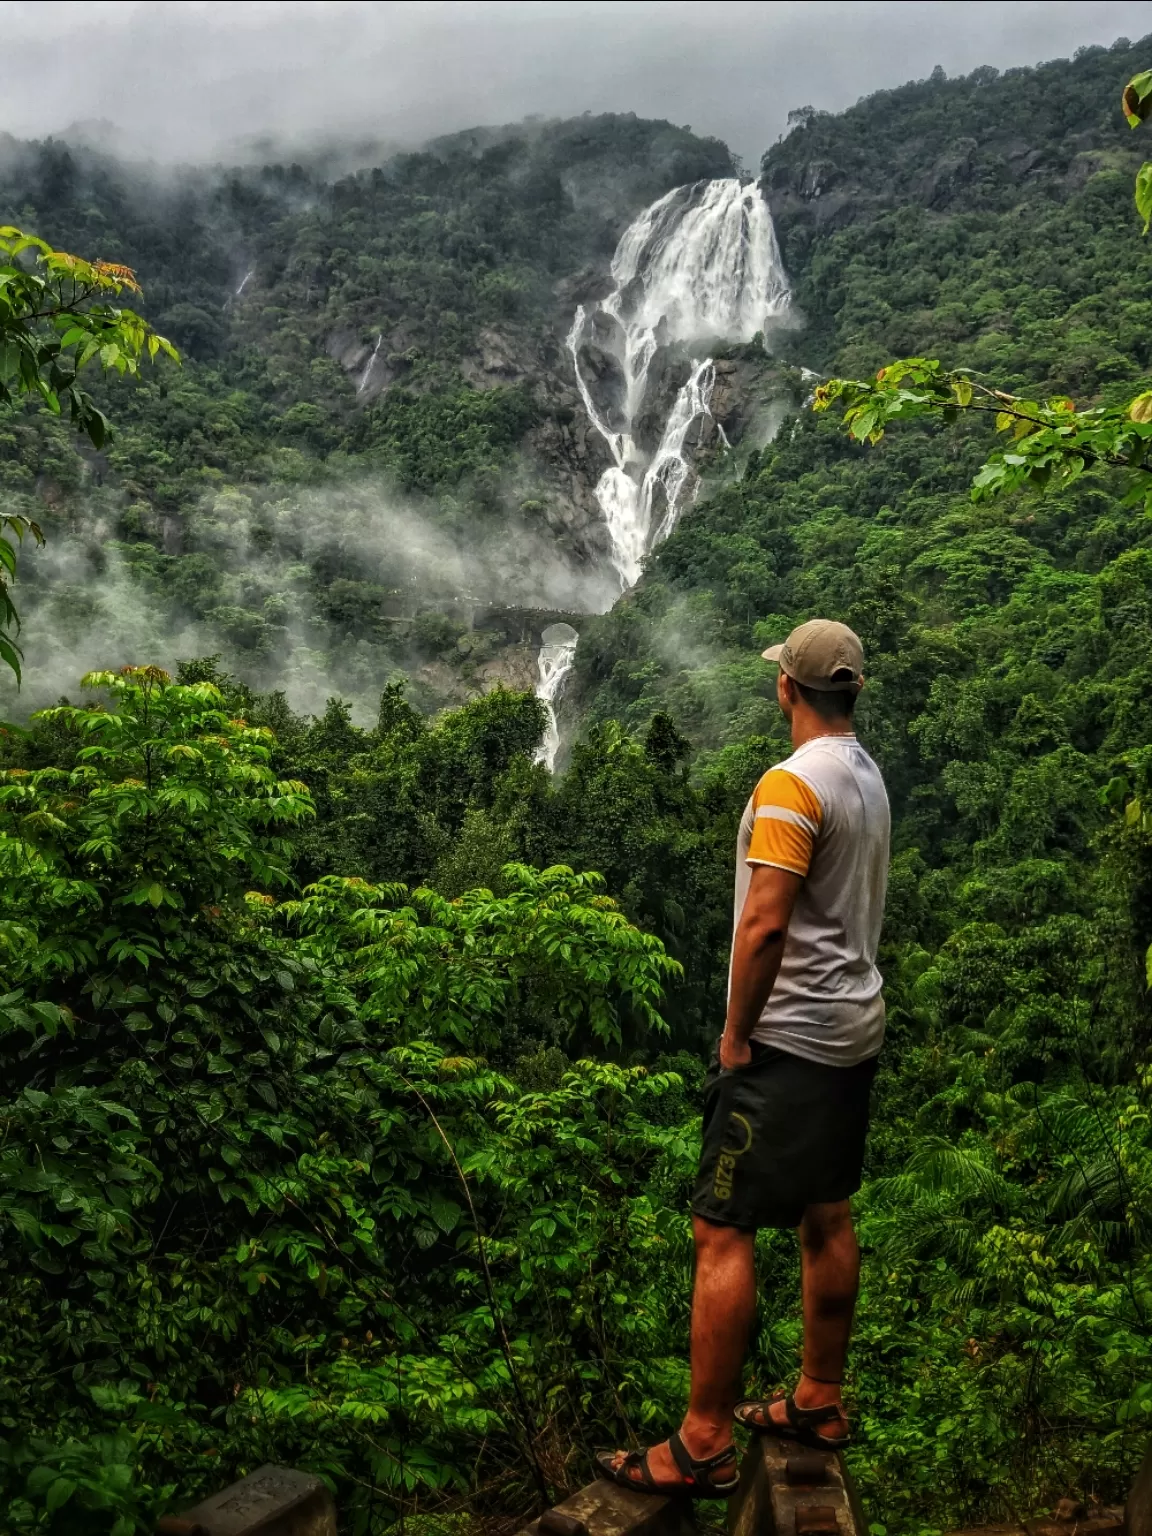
point(786, 1099)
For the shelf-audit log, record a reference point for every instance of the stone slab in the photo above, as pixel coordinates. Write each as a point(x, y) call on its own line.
point(272, 1501)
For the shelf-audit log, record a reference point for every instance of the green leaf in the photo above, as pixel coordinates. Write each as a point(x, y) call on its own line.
point(10, 654)
point(1136, 101)
point(1144, 193)
point(58, 1494)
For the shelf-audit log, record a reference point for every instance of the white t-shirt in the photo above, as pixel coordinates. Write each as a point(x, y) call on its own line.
point(823, 813)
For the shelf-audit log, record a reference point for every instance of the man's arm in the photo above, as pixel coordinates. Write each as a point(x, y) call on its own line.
point(756, 953)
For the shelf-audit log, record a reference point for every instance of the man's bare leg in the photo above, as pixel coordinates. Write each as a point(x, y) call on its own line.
point(723, 1310)
point(830, 1279)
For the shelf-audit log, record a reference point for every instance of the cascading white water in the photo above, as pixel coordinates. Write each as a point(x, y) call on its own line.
point(670, 467)
point(366, 377)
point(557, 654)
point(700, 265)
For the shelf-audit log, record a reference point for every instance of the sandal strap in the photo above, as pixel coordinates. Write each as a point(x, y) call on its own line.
point(690, 1467)
point(801, 1418)
point(681, 1457)
point(637, 1459)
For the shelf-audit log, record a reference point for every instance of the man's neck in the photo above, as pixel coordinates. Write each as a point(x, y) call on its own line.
point(808, 727)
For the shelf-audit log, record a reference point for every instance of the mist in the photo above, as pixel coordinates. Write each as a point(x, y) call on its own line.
point(188, 81)
point(90, 599)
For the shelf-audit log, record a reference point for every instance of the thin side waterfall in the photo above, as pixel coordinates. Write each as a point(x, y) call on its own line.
point(557, 654)
point(701, 265)
point(366, 376)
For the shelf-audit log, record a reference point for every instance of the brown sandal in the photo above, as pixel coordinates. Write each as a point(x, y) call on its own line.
point(693, 1487)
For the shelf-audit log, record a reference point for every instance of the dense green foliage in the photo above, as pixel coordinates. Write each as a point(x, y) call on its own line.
point(350, 1073)
point(251, 1144)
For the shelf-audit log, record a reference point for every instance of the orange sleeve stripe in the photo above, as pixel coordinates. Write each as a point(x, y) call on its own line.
point(787, 821)
point(780, 788)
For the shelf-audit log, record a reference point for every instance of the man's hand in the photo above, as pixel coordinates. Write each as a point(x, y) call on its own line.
point(734, 1053)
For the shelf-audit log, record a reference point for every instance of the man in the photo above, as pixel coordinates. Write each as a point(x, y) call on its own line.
point(786, 1100)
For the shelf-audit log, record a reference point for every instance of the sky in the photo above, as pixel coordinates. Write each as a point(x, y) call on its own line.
point(187, 81)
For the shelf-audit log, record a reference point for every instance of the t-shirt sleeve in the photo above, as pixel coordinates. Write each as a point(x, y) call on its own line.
point(787, 816)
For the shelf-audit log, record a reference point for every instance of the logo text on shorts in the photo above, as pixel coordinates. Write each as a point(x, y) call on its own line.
point(726, 1162)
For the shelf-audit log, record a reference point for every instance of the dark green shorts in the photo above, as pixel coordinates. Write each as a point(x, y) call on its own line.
point(780, 1134)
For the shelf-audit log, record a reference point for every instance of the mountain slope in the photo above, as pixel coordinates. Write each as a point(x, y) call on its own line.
point(375, 419)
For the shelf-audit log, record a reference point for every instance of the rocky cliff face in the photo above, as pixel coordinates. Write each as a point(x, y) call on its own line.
point(562, 457)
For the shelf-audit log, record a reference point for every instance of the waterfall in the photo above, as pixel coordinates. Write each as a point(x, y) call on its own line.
point(700, 265)
point(366, 376)
point(244, 283)
point(557, 654)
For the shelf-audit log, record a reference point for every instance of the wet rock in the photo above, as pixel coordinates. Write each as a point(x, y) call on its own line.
point(950, 172)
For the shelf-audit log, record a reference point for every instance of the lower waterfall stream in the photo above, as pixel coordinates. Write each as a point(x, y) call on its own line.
point(557, 654)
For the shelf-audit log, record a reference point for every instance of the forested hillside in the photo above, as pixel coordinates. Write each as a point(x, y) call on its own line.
point(375, 445)
point(352, 1066)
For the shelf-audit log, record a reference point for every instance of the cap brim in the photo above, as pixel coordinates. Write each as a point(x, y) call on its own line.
point(774, 652)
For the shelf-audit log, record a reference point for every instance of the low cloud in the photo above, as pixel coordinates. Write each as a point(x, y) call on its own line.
point(188, 80)
point(313, 591)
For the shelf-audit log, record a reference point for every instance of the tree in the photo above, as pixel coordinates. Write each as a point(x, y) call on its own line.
point(1052, 443)
point(57, 317)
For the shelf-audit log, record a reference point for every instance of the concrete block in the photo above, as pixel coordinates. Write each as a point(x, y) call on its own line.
point(808, 1468)
point(272, 1501)
point(786, 1490)
point(816, 1520)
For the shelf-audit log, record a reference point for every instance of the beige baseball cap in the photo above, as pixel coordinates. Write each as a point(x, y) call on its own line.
point(821, 654)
